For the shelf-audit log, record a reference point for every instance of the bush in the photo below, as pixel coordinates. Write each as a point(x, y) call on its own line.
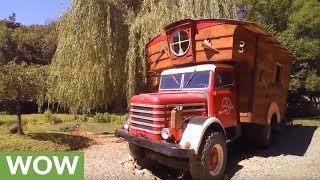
point(48, 115)
point(119, 119)
point(80, 118)
point(49, 118)
point(65, 128)
point(32, 121)
point(56, 120)
point(108, 118)
point(100, 118)
point(4, 113)
point(299, 106)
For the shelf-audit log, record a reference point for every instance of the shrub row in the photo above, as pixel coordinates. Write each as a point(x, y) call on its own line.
point(49, 117)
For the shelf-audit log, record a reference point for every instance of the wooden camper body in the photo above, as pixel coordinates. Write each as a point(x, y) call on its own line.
point(255, 55)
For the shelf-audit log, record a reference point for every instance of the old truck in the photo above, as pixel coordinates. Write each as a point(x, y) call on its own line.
point(217, 80)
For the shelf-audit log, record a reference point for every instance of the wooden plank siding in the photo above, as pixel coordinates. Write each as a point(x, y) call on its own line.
point(255, 63)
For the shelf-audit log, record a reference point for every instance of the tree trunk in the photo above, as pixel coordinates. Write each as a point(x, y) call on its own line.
point(20, 131)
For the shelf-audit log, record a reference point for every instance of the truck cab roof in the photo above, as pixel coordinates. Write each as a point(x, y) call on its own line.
point(201, 67)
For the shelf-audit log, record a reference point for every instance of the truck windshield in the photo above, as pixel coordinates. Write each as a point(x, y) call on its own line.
point(171, 81)
point(196, 79)
point(190, 80)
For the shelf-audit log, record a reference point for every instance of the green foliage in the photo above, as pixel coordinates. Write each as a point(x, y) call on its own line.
point(34, 119)
point(296, 24)
point(117, 119)
point(93, 66)
point(47, 115)
point(305, 15)
point(22, 82)
point(109, 118)
point(52, 119)
point(100, 118)
point(56, 120)
point(20, 48)
point(80, 118)
point(88, 67)
point(313, 82)
point(4, 113)
point(34, 44)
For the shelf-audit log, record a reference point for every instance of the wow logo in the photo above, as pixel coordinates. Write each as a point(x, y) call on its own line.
point(42, 165)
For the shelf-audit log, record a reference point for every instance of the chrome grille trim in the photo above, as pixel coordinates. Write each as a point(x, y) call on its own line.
point(147, 105)
point(147, 112)
point(194, 110)
point(147, 124)
point(146, 130)
point(142, 115)
point(147, 118)
point(187, 104)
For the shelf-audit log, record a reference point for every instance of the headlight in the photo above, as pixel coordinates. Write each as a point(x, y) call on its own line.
point(126, 125)
point(165, 133)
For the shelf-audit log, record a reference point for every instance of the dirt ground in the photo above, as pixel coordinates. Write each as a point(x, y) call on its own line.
point(294, 154)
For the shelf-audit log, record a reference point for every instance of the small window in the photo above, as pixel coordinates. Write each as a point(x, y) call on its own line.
point(179, 43)
point(223, 79)
point(277, 79)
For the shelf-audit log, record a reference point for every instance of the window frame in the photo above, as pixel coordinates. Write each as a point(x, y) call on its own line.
point(182, 82)
point(277, 78)
point(226, 86)
point(171, 43)
point(180, 87)
point(210, 77)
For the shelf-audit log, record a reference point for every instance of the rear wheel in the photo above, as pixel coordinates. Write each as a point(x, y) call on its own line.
point(276, 127)
point(213, 159)
point(265, 135)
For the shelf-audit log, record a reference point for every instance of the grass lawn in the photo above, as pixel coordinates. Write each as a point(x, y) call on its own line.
point(307, 122)
point(43, 136)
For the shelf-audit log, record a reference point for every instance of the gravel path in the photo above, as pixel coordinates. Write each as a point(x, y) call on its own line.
point(295, 154)
point(108, 159)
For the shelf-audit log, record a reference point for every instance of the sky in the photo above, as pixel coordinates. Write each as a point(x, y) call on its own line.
point(33, 11)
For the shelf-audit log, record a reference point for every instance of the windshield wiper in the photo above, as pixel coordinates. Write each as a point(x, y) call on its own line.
point(190, 78)
point(175, 80)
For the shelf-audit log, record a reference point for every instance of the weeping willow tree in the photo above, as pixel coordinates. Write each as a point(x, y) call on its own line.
point(153, 16)
point(88, 67)
point(100, 56)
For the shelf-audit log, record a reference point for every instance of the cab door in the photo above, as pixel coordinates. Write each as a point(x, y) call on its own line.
point(224, 97)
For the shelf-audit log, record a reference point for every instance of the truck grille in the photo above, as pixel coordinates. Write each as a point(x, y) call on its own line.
point(148, 118)
point(152, 118)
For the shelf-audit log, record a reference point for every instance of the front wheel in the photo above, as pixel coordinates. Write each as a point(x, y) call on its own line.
point(213, 158)
point(139, 156)
point(136, 152)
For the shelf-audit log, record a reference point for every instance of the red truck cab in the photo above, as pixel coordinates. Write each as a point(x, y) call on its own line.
point(217, 80)
point(201, 90)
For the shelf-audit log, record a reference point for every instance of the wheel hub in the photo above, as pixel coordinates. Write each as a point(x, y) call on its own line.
point(215, 159)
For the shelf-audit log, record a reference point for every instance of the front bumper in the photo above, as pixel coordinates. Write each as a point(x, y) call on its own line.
point(168, 149)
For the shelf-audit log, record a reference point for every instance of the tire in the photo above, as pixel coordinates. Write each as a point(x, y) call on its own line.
point(265, 135)
point(139, 156)
point(136, 152)
point(212, 162)
point(277, 127)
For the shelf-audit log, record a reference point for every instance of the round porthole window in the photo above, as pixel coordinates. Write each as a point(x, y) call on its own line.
point(180, 43)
